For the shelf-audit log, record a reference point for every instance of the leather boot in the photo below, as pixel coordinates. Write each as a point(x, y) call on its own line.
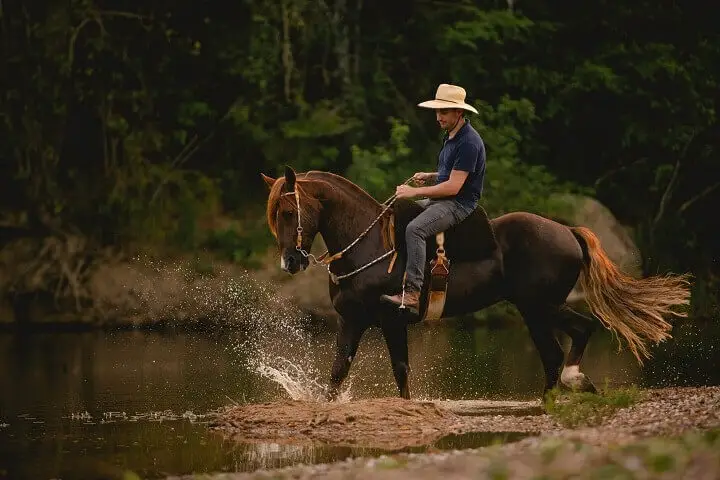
point(411, 301)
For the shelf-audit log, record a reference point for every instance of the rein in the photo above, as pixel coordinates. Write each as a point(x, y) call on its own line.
point(326, 260)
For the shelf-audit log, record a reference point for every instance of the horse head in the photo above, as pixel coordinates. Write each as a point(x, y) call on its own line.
point(293, 215)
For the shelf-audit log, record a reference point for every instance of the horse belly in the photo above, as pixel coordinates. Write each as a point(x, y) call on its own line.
point(473, 286)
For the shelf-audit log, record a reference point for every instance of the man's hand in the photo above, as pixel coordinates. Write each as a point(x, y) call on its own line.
point(405, 191)
point(422, 177)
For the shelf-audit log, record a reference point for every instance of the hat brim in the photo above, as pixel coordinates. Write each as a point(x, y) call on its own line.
point(439, 104)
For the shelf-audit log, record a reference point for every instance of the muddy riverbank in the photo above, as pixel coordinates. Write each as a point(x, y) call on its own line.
point(387, 423)
point(394, 423)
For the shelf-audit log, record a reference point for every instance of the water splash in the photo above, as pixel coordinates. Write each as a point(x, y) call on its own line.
point(271, 340)
point(151, 416)
point(298, 383)
point(278, 349)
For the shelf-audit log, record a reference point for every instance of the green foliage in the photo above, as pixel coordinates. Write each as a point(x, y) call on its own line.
point(589, 409)
point(379, 170)
point(512, 184)
point(136, 122)
point(242, 247)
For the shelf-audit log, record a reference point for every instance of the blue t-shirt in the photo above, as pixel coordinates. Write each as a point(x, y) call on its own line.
point(466, 152)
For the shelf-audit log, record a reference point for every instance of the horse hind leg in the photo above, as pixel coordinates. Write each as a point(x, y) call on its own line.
point(539, 323)
point(579, 328)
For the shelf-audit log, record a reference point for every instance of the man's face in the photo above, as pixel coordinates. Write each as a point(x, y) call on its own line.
point(448, 117)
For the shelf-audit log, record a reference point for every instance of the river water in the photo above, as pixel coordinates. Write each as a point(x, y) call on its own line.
point(110, 404)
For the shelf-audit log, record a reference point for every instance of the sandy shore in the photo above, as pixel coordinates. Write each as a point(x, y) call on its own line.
point(637, 439)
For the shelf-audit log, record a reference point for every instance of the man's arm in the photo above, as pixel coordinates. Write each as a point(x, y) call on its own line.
point(467, 155)
point(448, 188)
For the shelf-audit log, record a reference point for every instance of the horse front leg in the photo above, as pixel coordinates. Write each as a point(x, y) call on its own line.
point(348, 339)
point(395, 333)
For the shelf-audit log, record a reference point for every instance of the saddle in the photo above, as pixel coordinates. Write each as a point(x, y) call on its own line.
point(473, 239)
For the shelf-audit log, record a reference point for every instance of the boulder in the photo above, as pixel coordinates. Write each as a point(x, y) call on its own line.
point(614, 237)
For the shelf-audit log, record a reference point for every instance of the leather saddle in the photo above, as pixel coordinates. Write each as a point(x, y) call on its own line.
point(473, 239)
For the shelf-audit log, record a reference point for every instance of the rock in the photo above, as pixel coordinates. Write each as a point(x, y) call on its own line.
point(614, 237)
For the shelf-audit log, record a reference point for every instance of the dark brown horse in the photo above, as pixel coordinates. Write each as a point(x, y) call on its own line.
point(532, 262)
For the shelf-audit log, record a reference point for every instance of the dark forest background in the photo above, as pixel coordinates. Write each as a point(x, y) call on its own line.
point(132, 124)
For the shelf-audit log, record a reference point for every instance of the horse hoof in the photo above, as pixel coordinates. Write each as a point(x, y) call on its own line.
point(573, 379)
point(331, 394)
point(584, 385)
point(588, 386)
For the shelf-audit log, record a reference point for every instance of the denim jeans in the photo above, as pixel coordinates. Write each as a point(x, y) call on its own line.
point(438, 216)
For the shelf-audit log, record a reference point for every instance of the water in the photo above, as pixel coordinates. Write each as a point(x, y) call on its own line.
point(99, 405)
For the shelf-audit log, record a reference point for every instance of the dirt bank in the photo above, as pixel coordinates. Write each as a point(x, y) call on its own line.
point(115, 291)
point(394, 423)
point(384, 423)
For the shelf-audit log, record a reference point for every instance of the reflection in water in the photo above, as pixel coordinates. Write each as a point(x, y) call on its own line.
point(100, 404)
point(477, 439)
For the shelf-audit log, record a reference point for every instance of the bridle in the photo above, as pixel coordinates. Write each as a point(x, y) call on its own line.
point(326, 260)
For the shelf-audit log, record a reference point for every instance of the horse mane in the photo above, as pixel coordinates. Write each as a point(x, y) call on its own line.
point(312, 205)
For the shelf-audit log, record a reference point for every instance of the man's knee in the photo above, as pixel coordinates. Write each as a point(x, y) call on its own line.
point(414, 231)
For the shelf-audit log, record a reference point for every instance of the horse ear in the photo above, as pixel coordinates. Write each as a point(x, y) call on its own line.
point(290, 178)
point(269, 181)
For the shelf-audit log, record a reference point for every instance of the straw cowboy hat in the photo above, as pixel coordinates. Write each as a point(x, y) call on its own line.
point(448, 96)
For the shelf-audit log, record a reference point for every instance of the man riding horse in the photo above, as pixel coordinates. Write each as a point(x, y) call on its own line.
point(534, 262)
point(453, 192)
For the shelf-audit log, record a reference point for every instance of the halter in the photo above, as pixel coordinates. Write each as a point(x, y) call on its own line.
point(323, 259)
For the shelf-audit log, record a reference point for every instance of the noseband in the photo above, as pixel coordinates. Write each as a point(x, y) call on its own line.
point(298, 241)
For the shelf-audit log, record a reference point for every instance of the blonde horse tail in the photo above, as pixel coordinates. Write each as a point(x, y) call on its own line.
point(629, 307)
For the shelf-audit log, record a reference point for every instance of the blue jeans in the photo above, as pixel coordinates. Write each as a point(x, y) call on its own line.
point(438, 216)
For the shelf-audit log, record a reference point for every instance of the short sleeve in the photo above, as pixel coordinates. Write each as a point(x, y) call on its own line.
point(467, 157)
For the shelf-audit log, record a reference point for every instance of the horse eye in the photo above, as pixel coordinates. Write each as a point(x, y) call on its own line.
point(286, 214)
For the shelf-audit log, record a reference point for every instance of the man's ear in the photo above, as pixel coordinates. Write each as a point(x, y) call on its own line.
point(269, 181)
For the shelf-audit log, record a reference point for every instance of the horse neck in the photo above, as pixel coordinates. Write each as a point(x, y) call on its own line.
point(346, 215)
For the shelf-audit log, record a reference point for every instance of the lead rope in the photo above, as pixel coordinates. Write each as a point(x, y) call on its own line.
point(327, 261)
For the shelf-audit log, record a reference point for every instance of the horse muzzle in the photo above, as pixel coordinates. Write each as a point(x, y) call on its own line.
point(292, 262)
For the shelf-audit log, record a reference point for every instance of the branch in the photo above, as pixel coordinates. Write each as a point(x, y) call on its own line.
point(73, 40)
point(96, 16)
point(697, 197)
point(619, 169)
point(187, 152)
point(358, 38)
point(667, 194)
point(665, 199)
point(287, 59)
point(115, 13)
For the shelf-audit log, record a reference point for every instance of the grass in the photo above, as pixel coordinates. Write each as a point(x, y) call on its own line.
point(582, 409)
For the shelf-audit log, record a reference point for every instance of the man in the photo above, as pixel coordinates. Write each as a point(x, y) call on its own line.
point(453, 192)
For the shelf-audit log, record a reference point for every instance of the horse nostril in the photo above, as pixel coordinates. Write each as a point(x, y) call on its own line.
point(290, 262)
